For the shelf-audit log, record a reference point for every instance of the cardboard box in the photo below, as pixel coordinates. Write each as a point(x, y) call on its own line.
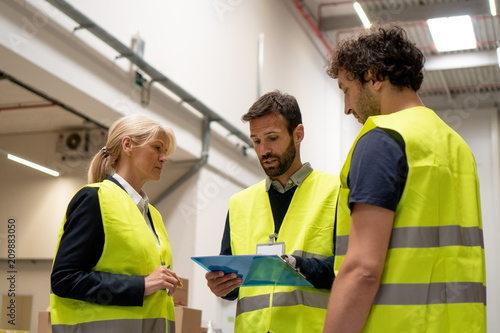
point(187, 320)
point(16, 312)
point(181, 293)
point(44, 325)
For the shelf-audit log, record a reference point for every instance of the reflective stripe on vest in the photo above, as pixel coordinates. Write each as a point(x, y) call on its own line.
point(434, 274)
point(253, 303)
point(307, 231)
point(129, 249)
point(118, 326)
point(420, 237)
point(433, 293)
point(292, 298)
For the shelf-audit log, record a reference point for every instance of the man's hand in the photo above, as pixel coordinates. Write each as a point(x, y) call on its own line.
point(222, 284)
point(162, 278)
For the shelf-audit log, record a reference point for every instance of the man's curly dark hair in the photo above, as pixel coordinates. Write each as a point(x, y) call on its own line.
point(387, 52)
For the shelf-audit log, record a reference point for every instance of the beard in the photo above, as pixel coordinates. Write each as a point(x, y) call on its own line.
point(367, 105)
point(284, 161)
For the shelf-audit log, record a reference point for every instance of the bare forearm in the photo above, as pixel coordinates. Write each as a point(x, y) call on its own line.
point(350, 302)
point(360, 273)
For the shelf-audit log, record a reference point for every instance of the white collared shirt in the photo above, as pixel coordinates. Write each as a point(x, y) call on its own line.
point(141, 200)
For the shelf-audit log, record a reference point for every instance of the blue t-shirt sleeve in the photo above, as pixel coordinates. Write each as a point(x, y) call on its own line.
point(378, 171)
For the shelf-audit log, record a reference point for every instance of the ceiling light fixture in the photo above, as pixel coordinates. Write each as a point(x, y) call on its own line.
point(452, 33)
point(493, 8)
point(362, 15)
point(32, 165)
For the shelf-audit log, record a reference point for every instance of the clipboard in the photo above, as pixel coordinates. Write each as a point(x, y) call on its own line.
point(255, 270)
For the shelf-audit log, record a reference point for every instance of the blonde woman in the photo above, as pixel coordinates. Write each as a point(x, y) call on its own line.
point(111, 272)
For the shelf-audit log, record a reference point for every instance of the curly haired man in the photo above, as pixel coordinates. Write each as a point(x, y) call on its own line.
point(409, 243)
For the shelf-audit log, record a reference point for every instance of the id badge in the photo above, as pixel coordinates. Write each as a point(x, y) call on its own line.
point(276, 248)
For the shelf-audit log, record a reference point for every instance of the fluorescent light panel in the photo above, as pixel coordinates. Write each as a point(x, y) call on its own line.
point(362, 16)
point(32, 165)
point(452, 33)
point(493, 8)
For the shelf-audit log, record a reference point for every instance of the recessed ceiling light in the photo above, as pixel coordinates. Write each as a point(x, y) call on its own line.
point(493, 8)
point(452, 33)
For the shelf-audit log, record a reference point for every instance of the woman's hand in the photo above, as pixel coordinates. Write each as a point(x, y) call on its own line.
point(162, 278)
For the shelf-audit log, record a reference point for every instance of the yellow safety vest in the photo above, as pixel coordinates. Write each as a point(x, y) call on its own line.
point(307, 231)
point(129, 249)
point(434, 275)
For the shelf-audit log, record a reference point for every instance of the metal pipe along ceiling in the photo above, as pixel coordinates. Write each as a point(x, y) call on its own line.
point(156, 76)
point(26, 106)
point(313, 25)
point(50, 99)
